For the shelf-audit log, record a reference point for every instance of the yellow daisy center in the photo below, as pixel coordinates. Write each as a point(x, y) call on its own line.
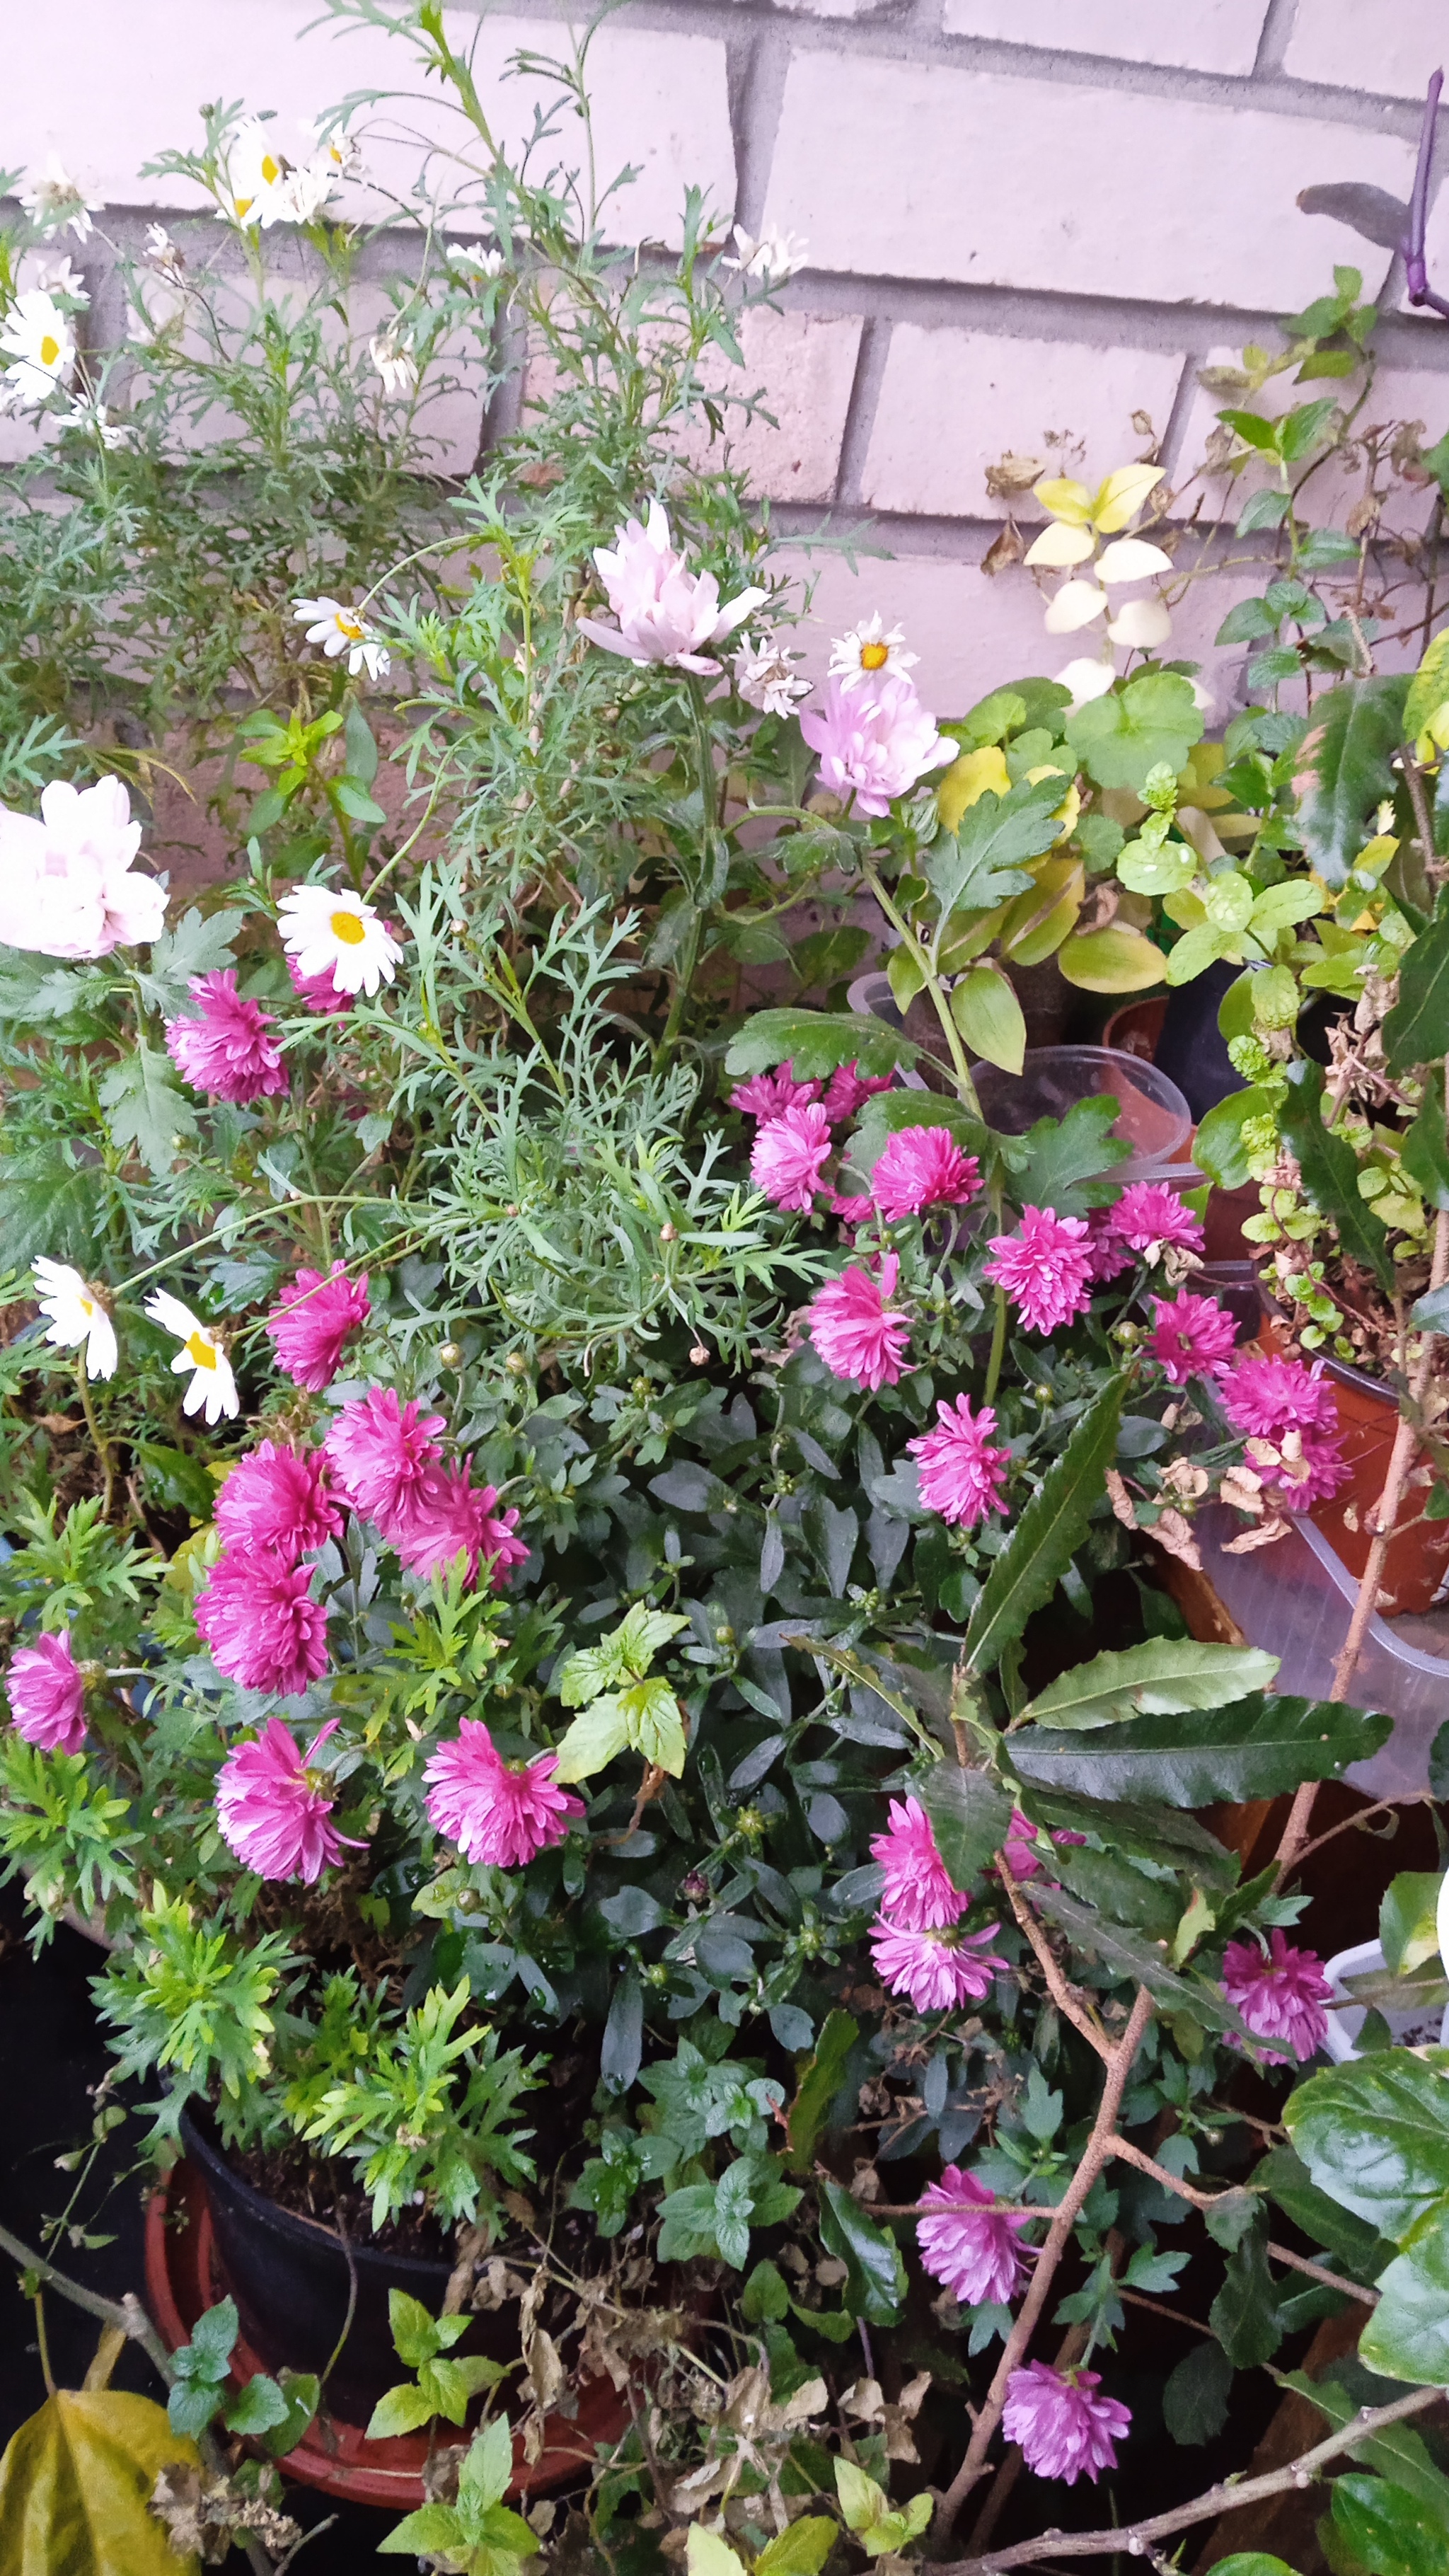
point(346, 927)
point(200, 1352)
point(873, 655)
point(244, 205)
point(49, 350)
point(349, 626)
point(271, 170)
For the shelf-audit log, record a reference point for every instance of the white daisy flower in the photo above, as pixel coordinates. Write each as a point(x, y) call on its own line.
point(771, 257)
point(330, 932)
point(38, 338)
point(162, 252)
point(766, 677)
point(340, 630)
point(308, 189)
point(203, 1352)
point(254, 186)
point(91, 416)
point(473, 256)
point(62, 277)
point(77, 1314)
point(339, 149)
point(56, 199)
point(395, 364)
point(870, 651)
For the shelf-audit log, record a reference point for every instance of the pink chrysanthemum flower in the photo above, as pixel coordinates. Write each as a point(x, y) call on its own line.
point(453, 1517)
point(311, 1326)
point(1064, 2428)
point(273, 1812)
point(851, 1211)
point(1289, 1415)
point(936, 1969)
point(969, 2246)
point(1192, 1336)
point(318, 992)
point(226, 1049)
point(264, 1629)
point(788, 1153)
point(923, 1167)
point(1019, 1849)
point(1045, 1268)
point(857, 1333)
point(278, 1498)
point(769, 1095)
point(959, 1473)
point(495, 1811)
point(1281, 1996)
point(381, 1451)
point(918, 1894)
point(1107, 1256)
point(47, 1695)
point(1149, 1217)
point(875, 742)
point(849, 1089)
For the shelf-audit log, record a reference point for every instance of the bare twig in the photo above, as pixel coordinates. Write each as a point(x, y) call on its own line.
point(1065, 1997)
point(1172, 2182)
point(1361, 1815)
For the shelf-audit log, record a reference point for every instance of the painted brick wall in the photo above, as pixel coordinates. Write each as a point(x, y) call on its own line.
point(1029, 223)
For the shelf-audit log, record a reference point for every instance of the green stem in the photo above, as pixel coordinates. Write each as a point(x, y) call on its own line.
point(940, 999)
point(998, 1348)
point(101, 1445)
point(688, 966)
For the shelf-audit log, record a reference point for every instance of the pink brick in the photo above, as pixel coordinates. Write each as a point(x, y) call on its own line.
point(1399, 394)
point(1210, 36)
point(953, 402)
point(1351, 44)
point(805, 364)
point(906, 169)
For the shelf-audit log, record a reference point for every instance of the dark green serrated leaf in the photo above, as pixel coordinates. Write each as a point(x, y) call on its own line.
point(145, 1109)
point(1344, 770)
point(1195, 2398)
point(1285, 2177)
point(971, 1817)
point(815, 1042)
point(1062, 1163)
point(48, 1205)
point(1131, 1957)
point(1330, 1172)
point(1147, 1831)
point(1257, 1748)
point(979, 865)
point(1244, 2315)
point(1046, 1536)
point(1416, 1030)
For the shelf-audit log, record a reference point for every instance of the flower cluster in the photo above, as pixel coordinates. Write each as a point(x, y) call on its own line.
point(1290, 1416)
point(389, 1468)
point(68, 886)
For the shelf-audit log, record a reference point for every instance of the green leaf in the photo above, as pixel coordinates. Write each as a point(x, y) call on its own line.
point(1195, 2397)
point(1344, 770)
point(1330, 1171)
point(1425, 1149)
point(199, 944)
point(1257, 1748)
point(1119, 737)
point(1046, 1535)
point(145, 1109)
point(592, 1741)
point(654, 1722)
point(1251, 618)
point(815, 1042)
point(1253, 430)
point(1130, 1957)
point(801, 2550)
point(1428, 688)
point(708, 2554)
point(487, 2472)
point(258, 2409)
point(1163, 1835)
point(356, 803)
point(360, 746)
point(765, 2300)
point(979, 865)
point(1218, 1145)
point(415, 2336)
point(213, 2340)
point(1416, 1030)
point(1166, 1675)
point(435, 2530)
point(302, 2393)
point(818, 2080)
point(971, 1816)
point(1374, 2134)
point(191, 2405)
point(1408, 1929)
point(1244, 2315)
point(989, 1016)
point(1061, 1163)
point(448, 2384)
point(1407, 2337)
point(1389, 2532)
point(1398, 2453)
point(875, 2288)
point(1283, 2174)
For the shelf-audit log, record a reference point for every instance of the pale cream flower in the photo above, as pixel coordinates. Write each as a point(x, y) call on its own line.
point(473, 256)
point(62, 277)
point(1074, 606)
point(87, 414)
point(163, 253)
point(766, 677)
point(38, 339)
point(395, 364)
point(56, 199)
point(77, 1315)
point(870, 651)
point(340, 630)
point(330, 932)
point(771, 257)
point(213, 1386)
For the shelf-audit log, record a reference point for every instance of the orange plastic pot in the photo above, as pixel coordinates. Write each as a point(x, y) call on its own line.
point(1368, 1415)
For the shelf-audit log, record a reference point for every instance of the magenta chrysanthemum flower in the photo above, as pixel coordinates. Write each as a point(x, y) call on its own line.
point(959, 1473)
point(1019, 1849)
point(923, 1167)
point(769, 1095)
point(311, 1326)
point(1108, 1257)
point(970, 2247)
point(318, 992)
point(918, 1893)
point(47, 1695)
point(1192, 1336)
point(857, 1333)
point(278, 1498)
point(1045, 1268)
point(1064, 2428)
point(273, 1812)
point(496, 1811)
point(851, 1211)
point(1289, 1415)
point(788, 1153)
point(874, 742)
point(453, 1517)
point(1149, 1217)
point(381, 1451)
point(264, 1629)
point(849, 1089)
point(1280, 1996)
point(936, 1969)
point(226, 1049)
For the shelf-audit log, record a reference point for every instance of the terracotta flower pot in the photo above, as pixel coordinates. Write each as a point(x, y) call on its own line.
point(1368, 1413)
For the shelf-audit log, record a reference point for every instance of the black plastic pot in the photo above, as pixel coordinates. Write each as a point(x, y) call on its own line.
point(289, 2278)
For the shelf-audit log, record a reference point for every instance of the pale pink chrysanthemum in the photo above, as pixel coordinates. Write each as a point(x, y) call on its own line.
point(226, 1048)
point(665, 609)
point(936, 1969)
point(1280, 1994)
point(496, 1812)
point(857, 1333)
point(849, 1089)
point(47, 1695)
point(278, 1498)
point(918, 1893)
point(319, 992)
point(768, 1095)
point(450, 1517)
point(923, 1167)
point(1045, 1268)
point(313, 1323)
point(968, 2245)
point(1064, 2428)
point(273, 1813)
point(1149, 1217)
point(1191, 1336)
point(264, 1629)
point(874, 743)
point(788, 1154)
point(381, 1451)
point(1289, 1416)
point(959, 1473)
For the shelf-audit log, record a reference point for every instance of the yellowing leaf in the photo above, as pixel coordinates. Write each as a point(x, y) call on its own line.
point(968, 778)
point(1065, 499)
point(1428, 690)
point(1060, 545)
point(861, 2501)
point(988, 1015)
point(74, 2489)
point(1122, 496)
point(592, 1741)
point(1037, 922)
point(1114, 960)
point(707, 2555)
